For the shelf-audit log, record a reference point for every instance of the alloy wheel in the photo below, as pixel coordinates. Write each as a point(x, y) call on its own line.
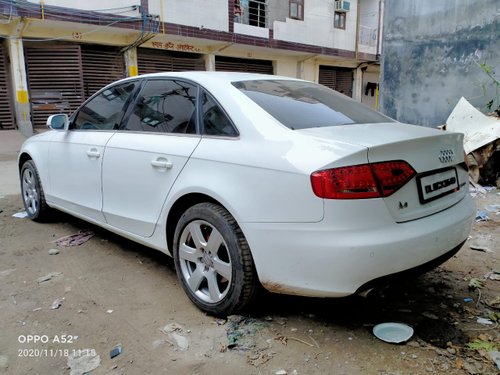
point(30, 192)
point(205, 261)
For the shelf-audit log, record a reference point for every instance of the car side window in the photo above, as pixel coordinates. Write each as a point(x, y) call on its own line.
point(165, 106)
point(105, 110)
point(215, 120)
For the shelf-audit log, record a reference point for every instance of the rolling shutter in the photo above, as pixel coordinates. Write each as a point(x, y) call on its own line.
point(54, 80)
point(154, 61)
point(6, 117)
point(339, 79)
point(101, 66)
point(231, 64)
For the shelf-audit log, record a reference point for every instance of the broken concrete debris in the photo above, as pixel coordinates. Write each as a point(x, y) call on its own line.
point(493, 275)
point(175, 333)
point(4, 361)
point(83, 361)
point(57, 303)
point(493, 208)
point(48, 277)
point(481, 141)
point(7, 272)
point(20, 215)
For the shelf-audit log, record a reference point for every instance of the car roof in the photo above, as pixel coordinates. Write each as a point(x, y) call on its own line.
point(209, 77)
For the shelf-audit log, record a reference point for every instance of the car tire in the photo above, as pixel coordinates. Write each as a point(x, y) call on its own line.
point(213, 260)
point(32, 193)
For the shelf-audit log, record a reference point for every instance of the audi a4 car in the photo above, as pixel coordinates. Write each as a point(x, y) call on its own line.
point(253, 181)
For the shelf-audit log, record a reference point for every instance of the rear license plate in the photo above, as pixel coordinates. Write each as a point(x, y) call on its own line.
point(436, 184)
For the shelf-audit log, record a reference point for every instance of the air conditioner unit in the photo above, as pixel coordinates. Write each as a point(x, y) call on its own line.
point(342, 6)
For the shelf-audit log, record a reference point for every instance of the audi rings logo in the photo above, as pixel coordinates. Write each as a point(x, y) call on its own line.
point(446, 156)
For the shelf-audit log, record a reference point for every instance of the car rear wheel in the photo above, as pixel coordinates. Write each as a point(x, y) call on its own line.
point(213, 260)
point(32, 193)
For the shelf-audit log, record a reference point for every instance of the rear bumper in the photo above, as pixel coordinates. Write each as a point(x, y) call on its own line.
point(353, 248)
point(410, 273)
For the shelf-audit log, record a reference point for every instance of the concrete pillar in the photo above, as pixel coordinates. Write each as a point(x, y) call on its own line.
point(209, 62)
point(130, 57)
point(287, 68)
point(22, 109)
point(308, 69)
point(300, 69)
point(357, 84)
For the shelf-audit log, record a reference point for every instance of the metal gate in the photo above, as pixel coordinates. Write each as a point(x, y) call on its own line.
point(154, 61)
point(339, 79)
point(6, 117)
point(101, 66)
point(232, 64)
point(54, 80)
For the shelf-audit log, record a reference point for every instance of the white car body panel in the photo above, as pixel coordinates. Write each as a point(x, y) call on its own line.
point(135, 183)
point(300, 243)
point(282, 190)
point(348, 248)
point(75, 160)
point(37, 147)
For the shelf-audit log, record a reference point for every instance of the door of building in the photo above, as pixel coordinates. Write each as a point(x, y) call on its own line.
point(55, 80)
point(339, 79)
point(232, 64)
point(154, 61)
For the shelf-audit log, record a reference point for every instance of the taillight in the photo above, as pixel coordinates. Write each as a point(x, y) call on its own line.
point(362, 181)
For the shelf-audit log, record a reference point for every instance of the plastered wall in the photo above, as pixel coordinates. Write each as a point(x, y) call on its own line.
point(430, 55)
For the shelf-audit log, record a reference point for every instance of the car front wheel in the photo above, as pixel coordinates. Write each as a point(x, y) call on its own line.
point(213, 260)
point(32, 193)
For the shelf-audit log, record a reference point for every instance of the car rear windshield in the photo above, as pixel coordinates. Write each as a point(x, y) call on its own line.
point(302, 105)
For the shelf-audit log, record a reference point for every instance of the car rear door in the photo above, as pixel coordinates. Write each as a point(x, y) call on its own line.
point(144, 158)
point(75, 156)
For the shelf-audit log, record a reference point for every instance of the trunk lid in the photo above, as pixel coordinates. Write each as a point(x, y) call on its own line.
point(436, 156)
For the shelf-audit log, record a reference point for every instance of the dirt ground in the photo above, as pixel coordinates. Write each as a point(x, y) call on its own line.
point(113, 292)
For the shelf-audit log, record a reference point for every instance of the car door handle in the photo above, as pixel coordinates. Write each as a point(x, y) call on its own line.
point(93, 153)
point(161, 163)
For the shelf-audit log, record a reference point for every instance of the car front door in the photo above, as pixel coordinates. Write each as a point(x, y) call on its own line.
point(144, 158)
point(75, 156)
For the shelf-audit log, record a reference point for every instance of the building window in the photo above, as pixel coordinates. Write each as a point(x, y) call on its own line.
point(339, 20)
point(297, 9)
point(257, 13)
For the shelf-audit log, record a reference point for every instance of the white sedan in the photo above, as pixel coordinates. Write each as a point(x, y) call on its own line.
point(252, 180)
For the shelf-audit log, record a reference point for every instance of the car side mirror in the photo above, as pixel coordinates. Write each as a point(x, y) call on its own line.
point(58, 122)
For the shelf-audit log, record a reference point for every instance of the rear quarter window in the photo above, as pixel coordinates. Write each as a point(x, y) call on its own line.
point(302, 105)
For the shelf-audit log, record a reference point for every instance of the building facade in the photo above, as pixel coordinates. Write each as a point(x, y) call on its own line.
point(53, 57)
